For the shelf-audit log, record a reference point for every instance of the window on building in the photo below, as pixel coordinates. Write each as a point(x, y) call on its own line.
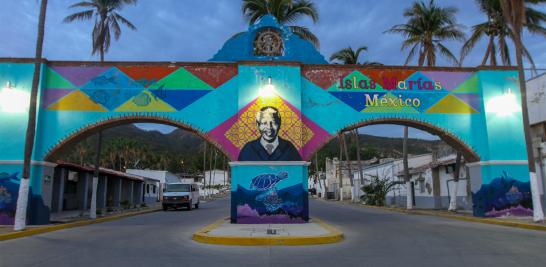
point(450, 168)
point(148, 189)
point(153, 188)
point(422, 186)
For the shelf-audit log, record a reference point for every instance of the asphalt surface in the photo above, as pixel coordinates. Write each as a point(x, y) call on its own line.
point(373, 238)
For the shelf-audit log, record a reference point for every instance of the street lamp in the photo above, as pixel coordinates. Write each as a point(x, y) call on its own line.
point(14, 100)
point(268, 90)
point(503, 105)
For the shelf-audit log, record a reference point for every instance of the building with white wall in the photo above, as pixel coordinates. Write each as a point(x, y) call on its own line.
point(162, 176)
point(332, 175)
point(431, 179)
point(536, 105)
point(217, 177)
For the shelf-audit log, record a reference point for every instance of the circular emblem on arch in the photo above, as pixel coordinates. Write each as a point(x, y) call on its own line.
point(268, 42)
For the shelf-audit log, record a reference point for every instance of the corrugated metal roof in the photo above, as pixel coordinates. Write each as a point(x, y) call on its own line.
point(91, 168)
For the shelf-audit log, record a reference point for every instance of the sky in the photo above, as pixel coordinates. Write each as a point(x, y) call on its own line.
point(194, 30)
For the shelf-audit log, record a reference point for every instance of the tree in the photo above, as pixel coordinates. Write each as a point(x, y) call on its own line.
point(514, 13)
point(107, 19)
point(497, 30)
point(22, 198)
point(350, 56)
point(427, 27)
point(285, 11)
point(376, 191)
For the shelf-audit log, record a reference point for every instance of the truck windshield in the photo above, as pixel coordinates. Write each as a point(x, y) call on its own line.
point(178, 188)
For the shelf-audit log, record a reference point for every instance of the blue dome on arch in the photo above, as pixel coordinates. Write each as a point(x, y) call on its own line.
point(240, 46)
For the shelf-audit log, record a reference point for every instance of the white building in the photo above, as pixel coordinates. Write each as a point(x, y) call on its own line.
point(431, 179)
point(161, 176)
point(433, 184)
point(332, 175)
point(536, 105)
point(217, 177)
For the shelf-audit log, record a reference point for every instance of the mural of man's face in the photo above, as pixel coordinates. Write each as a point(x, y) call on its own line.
point(268, 126)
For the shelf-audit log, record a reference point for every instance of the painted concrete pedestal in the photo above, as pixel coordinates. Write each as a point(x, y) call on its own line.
point(265, 192)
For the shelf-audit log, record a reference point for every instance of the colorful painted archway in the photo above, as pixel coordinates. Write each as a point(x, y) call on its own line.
point(220, 100)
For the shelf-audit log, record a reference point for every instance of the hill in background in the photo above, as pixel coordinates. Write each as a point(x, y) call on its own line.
point(131, 147)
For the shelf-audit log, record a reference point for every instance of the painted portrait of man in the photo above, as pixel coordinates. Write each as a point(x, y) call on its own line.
point(269, 146)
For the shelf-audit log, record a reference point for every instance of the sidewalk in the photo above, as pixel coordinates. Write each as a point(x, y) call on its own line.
point(71, 219)
point(464, 215)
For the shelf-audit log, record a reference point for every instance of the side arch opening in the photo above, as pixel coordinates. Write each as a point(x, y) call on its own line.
point(94, 128)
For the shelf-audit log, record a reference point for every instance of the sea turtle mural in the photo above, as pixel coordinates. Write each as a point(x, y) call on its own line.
point(267, 181)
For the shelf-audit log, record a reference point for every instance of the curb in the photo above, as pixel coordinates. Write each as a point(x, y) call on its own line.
point(202, 236)
point(465, 218)
point(46, 229)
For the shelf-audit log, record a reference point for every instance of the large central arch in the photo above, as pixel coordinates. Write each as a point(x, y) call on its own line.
point(220, 100)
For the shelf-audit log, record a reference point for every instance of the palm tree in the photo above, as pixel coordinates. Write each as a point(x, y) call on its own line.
point(350, 56)
point(107, 19)
point(515, 14)
point(285, 11)
point(497, 30)
point(428, 26)
point(22, 198)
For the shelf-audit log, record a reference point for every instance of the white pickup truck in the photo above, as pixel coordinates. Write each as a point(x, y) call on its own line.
point(180, 195)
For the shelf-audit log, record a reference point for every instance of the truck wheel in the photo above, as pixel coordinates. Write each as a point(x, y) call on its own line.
point(197, 205)
point(165, 207)
point(189, 206)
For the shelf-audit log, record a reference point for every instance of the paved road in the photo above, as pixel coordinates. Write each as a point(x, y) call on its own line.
point(373, 238)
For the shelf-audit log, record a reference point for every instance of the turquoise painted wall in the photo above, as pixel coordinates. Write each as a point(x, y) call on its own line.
point(220, 101)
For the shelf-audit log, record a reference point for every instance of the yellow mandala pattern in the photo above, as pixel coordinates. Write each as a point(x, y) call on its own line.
point(292, 128)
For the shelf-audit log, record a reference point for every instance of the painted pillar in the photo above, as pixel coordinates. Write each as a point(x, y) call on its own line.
point(60, 197)
point(504, 187)
point(83, 187)
point(132, 193)
point(12, 135)
point(117, 192)
point(269, 192)
point(102, 188)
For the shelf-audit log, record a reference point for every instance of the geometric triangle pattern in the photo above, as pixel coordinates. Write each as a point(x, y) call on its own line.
point(357, 100)
point(451, 104)
point(389, 104)
point(472, 100)
point(145, 101)
point(77, 75)
point(354, 81)
point(364, 90)
point(78, 101)
point(113, 87)
point(469, 86)
point(181, 79)
point(179, 99)
point(52, 95)
point(55, 80)
point(213, 75)
point(147, 75)
point(426, 99)
point(324, 76)
point(387, 78)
